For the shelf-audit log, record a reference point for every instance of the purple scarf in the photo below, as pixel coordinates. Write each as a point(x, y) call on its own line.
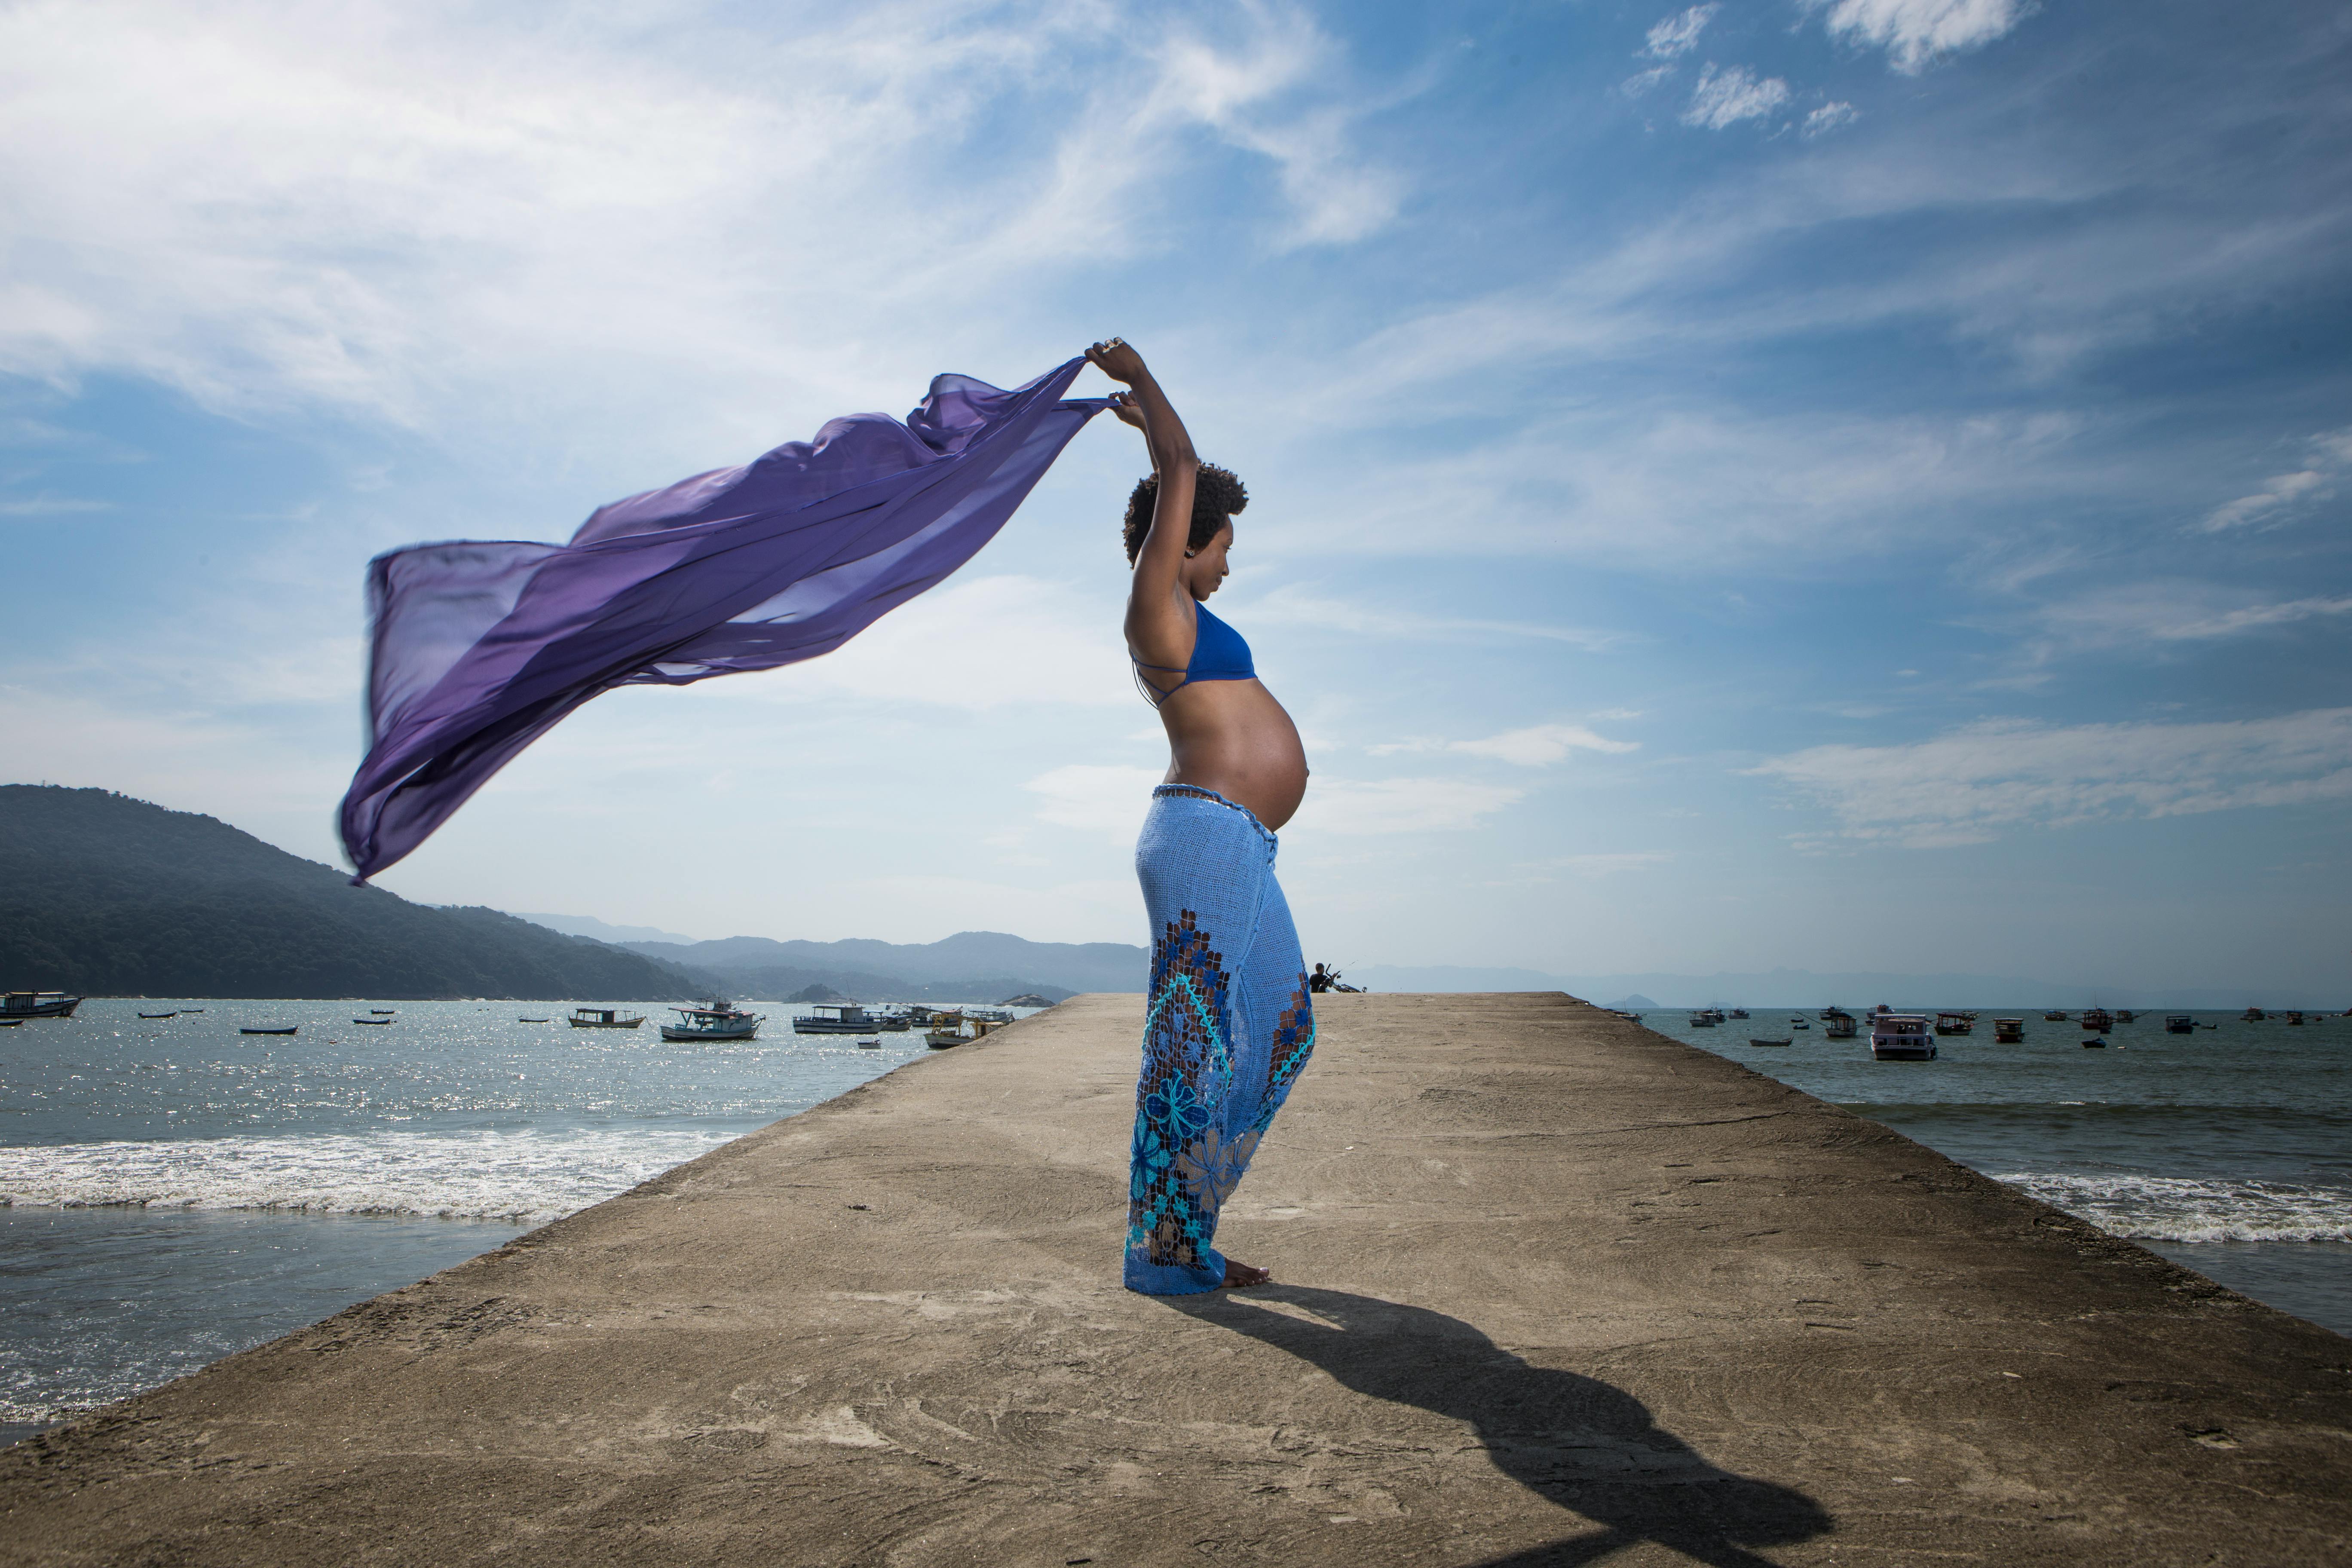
point(479, 649)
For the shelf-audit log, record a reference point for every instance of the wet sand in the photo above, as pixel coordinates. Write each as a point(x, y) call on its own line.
point(1552, 1289)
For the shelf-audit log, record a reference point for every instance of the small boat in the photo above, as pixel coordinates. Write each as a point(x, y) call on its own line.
point(990, 1014)
point(2252, 1015)
point(37, 1005)
point(192, 1009)
point(1768, 1042)
point(387, 1012)
point(2008, 1031)
point(1901, 1037)
point(716, 1019)
point(379, 1023)
point(2295, 1019)
point(273, 1029)
point(870, 1045)
point(534, 1020)
point(2180, 1024)
point(950, 1029)
point(604, 1018)
point(12, 1023)
point(2055, 1015)
point(1838, 1024)
point(2098, 1020)
point(2094, 1045)
point(1955, 1023)
point(1706, 1018)
point(2125, 1015)
point(1798, 1023)
point(1738, 1013)
point(159, 1014)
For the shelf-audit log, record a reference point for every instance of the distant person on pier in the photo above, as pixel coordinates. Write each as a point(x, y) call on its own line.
point(1228, 1026)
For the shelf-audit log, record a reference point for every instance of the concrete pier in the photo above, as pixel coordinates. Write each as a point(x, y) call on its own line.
point(1552, 1290)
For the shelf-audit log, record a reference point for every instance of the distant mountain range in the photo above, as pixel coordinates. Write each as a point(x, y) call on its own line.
point(968, 966)
point(105, 895)
point(1805, 988)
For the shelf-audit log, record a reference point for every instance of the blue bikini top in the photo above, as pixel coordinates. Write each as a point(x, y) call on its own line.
point(1218, 654)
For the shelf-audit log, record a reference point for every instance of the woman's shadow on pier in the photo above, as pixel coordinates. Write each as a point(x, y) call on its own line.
point(1574, 1440)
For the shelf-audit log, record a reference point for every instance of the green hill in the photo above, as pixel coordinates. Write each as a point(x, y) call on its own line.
point(105, 895)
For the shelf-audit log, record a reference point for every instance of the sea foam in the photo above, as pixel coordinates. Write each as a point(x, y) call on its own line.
point(519, 1176)
point(2192, 1209)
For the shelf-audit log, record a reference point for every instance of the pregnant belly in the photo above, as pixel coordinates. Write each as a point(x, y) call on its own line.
point(1232, 737)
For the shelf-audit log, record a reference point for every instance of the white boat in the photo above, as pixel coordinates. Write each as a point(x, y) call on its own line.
point(1902, 1037)
point(605, 1018)
point(837, 1018)
point(716, 1018)
point(1837, 1024)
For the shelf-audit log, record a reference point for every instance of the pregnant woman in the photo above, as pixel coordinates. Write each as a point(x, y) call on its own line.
point(1228, 1027)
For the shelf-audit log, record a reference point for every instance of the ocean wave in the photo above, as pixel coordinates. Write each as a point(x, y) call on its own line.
point(2193, 1209)
point(519, 1177)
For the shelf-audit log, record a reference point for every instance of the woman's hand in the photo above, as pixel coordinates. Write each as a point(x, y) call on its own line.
point(1124, 405)
point(1115, 360)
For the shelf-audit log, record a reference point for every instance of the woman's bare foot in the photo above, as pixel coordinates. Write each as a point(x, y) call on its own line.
point(1241, 1276)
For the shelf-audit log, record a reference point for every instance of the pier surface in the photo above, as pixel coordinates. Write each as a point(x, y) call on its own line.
point(1553, 1290)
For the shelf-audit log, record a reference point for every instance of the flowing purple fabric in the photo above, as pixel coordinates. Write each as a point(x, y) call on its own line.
point(481, 648)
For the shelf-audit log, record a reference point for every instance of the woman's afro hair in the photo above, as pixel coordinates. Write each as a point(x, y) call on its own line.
point(1217, 495)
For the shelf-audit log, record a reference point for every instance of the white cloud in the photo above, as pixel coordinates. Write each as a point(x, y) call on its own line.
point(1538, 745)
point(1829, 117)
point(1109, 800)
point(1607, 865)
point(1915, 33)
point(50, 506)
point(1293, 607)
point(1725, 98)
point(1014, 640)
point(2170, 612)
point(417, 213)
point(1676, 35)
point(2284, 496)
point(1640, 82)
point(1400, 806)
point(1969, 786)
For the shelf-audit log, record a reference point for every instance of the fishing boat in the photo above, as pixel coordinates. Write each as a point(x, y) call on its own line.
point(1740, 1013)
point(2294, 1018)
point(534, 1020)
point(837, 1018)
point(2125, 1015)
point(192, 1009)
point(159, 1014)
point(1838, 1024)
point(604, 1018)
point(1706, 1018)
point(2252, 1015)
point(990, 1014)
point(2098, 1020)
point(950, 1029)
point(37, 1005)
point(2095, 1044)
point(1901, 1037)
point(2055, 1015)
point(379, 1023)
point(1955, 1023)
point(2180, 1024)
point(715, 1018)
point(1798, 1023)
point(386, 1011)
point(272, 1029)
point(1768, 1042)
point(870, 1045)
point(2008, 1031)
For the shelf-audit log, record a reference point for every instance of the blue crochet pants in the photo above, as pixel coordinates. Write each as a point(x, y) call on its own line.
point(1227, 1031)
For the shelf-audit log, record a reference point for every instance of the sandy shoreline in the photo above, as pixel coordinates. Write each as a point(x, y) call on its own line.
point(1555, 1287)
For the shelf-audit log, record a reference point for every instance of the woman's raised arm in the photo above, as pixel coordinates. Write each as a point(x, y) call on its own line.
point(1160, 628)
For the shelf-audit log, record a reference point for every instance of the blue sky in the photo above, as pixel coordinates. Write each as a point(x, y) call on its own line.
point(1846, 484)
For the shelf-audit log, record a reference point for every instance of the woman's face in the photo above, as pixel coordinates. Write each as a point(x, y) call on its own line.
point(1205, 571)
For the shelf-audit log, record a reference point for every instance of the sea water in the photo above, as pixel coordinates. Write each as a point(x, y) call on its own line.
point(2228, 1150)
point(172, 1191)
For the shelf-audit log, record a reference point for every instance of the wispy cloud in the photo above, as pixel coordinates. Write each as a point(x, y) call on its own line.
point(1829, 117)
point(1678, 34)
point(1385, 806)
point(2156, 613)
point(1726, 97)
point(2283, 497)
point(1537, 746)
point(1969, 786)
point(50, 506)
point(1916, 33)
